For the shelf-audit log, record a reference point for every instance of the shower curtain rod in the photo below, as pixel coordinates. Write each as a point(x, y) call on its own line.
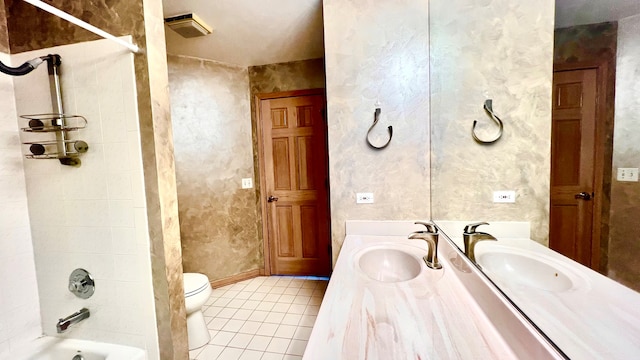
point(59, 13)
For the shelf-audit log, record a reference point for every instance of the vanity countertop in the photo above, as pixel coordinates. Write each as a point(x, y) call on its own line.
point(432, 316)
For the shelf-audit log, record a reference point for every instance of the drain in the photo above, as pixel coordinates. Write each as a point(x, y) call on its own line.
point(78, 357)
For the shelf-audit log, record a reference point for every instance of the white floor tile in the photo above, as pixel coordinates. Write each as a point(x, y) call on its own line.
point(230, 353)
point(286, 299)
point(271, 297)
point(292, 357)
point(259, 343)
point(233, 325)
point(291, 291)
point(238, 286)
point(230, 294)
point(285, 331)
point(250, 305)
point(278, 345)
point(296, 347)
point(250, 327)
point(272, 356)
point(235, 303)
point(307, 320)
point(242, 314)
point(267, 329)
point(299, 299)
point(315, 300)
point(212, 310)
point(302, 333)
point(258, 316)
point(244, 294)
point(251, 355)
point(274, 318)
point(264, 289)
point(265, 306)
point(193, 354)
point(281, 307)
point(240, 341)
point(226, 313)
point(291, 319)
point(278, 290)
point(217, 323)
point(297, 309)
point(222, 338)
point(221, 302)
point(210, 352)
point(305, 292)
point(257, 296)
point(312, 310)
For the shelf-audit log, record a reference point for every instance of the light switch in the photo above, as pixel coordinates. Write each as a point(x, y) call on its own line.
point(247, 183)
point(364, 198)
point(504, 196)
point(627, 174)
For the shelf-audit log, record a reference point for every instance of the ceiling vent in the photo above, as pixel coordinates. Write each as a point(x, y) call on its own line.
point(188, 25)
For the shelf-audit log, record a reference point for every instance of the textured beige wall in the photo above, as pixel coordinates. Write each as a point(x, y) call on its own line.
point(501, 50)
point(624, 247)
point(377, 51)
point(212, 138)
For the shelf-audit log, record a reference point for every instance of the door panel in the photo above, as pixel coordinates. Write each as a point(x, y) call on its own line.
point(572, 163)
point(295, 172)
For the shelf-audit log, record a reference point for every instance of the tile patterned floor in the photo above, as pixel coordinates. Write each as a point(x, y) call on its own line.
point(265, 318)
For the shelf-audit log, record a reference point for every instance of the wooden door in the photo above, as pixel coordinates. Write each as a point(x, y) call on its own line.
point(295, 194)
point(573, 145)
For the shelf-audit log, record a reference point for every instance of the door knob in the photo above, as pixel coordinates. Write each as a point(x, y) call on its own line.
point(272, 198)
point(583, 196)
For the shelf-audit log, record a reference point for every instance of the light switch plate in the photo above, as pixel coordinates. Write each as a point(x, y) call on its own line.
point(364, 198)
point(247, 183)
point(504, 196)
point(627, 174)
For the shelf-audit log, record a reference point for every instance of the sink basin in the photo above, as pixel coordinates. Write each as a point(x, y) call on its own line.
point(525, 269)
point(388, 265)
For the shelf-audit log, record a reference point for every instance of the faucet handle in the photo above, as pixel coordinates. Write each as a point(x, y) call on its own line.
point(471, 228)
point(431, 227)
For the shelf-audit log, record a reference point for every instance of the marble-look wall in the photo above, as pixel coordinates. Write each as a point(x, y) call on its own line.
point(377, 55)
point(500, 50)
point(4, 35)
point(212, 140)
point(595, 43)
point(31, 29)
point(624, 246)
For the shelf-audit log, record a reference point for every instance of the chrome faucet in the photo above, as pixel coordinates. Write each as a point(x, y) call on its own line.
point(471, 237)
point(76, 317)
point(431, 237)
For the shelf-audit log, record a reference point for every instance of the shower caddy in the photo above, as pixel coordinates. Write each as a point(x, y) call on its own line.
point(66, 150)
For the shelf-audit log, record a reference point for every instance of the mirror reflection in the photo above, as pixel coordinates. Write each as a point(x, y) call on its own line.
point(574, 178)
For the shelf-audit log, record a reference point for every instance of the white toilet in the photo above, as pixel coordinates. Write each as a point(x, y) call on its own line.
point(197, 290)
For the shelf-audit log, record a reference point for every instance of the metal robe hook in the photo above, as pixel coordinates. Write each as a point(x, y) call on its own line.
point(376, 117)
point(488, 108)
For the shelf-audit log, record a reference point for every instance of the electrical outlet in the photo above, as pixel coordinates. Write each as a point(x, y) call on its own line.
point(247, 183)
point(364, 198)
point(504, 196)
point(627, 174)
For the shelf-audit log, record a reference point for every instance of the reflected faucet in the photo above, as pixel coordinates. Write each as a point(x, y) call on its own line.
point(74, 318)
point(471, 237)
point(431, 237)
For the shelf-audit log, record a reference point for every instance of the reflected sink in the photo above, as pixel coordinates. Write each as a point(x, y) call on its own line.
point(387, 264)
point(526, 269)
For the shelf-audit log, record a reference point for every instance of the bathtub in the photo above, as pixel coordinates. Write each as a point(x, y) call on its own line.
point(52, 348)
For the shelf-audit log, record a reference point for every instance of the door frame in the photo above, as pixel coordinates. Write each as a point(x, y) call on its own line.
point(602, 156)
point(261, 165)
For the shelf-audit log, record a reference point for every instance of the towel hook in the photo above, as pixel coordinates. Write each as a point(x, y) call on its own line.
point(488, 108)
point(376, 117)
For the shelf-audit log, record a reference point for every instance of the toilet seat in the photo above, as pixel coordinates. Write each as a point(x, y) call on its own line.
point(195, 284)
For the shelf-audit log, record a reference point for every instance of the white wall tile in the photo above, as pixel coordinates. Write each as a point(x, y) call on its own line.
point(94, 216)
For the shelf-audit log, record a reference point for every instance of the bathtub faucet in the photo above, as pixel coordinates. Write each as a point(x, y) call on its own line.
point(76, 317)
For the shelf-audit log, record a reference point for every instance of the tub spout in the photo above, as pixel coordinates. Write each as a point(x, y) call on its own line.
point(76, 317)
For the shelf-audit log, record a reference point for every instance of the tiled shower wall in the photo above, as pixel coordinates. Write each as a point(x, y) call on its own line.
point(19, 307)
point(624, 246)
point(377, 55)
point(500, 50)
point(94, 216)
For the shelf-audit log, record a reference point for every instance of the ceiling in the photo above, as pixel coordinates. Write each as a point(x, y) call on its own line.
point(250, 32)
point(580, 12)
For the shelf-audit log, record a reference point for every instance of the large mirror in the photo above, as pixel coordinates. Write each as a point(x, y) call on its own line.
point(521, 55)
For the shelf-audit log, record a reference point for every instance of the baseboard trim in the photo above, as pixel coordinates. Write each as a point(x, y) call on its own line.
point(237, 278)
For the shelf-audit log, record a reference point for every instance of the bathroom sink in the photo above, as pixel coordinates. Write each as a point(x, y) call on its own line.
point(388, 264)
point(531, 270)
